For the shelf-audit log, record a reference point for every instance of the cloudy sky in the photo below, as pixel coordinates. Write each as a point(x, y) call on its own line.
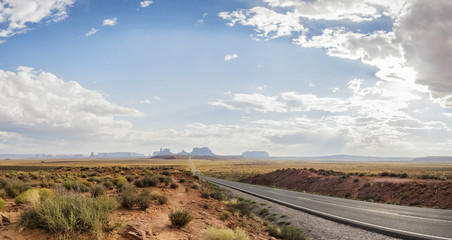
point(292, 77)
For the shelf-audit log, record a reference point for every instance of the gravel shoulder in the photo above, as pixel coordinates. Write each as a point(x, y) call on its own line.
point(313, 226)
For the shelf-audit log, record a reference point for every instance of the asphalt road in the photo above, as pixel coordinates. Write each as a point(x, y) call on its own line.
point(400, 221)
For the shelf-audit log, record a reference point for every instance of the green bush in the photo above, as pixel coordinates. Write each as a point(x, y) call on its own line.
point(29, 196)
point(69, 213)
point(180, 218)
point(119, 180)
point(144, 200)
point(97, 190)
point(243, 207)
point(128, 196)
point(225, 215)
point(146, 181)
point(162, 199)
point(286, 232)
point(174, 185)
point(15, 188)
point(76, 185)
point(218, 195)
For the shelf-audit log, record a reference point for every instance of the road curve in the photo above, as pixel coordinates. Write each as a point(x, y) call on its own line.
point(394, 220)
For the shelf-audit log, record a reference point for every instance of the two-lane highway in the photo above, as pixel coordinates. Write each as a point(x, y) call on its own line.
point(401, 221)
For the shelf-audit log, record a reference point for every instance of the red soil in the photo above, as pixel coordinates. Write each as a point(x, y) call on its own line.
point(427, 193)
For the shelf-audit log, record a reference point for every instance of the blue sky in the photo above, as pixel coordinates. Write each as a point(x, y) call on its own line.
point(289, 77)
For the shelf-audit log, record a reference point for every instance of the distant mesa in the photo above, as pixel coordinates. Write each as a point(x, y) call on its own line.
point(255, 154)
point(163, 151)
point(433, 159)
point(202, 151)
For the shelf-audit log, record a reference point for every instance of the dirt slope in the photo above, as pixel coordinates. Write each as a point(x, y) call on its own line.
point(418, 192)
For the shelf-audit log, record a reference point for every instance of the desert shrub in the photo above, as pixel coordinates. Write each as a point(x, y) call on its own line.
point(384, 174)
point(146, 181)
point(108, 185)
point(243, 207)
point(130, 178)
point(225, 215)
point(196, 177)
point(166, 173)
point(355, 180)
point(119, 180)
point(144, 200)
point(29, 196)
point(285, 232)
point(218, 195)
point(206, 205)
point(97, 190)
point(174, 185)
point(195, 186)
point(45, 193)
point(403, 175)
point(15, 188)
point(181, 180)
point(2, 203)
point(76, 185)
point(180, 218)
point(205, 194)
point(69, 213)
point(162, 199)
point(3, 183)
point(128, 196)
point(264, 212)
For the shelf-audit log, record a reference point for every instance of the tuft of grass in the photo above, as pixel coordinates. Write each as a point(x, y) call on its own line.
point(213, 233)
point(69, 213)
point(15, 188)
point(2, 203)
point(144, 200)
point(97, 190)
point(128, 196)
point(243, 207)
point(180, 218)
point(286, 232)
point(225, 215)
point(162, 199)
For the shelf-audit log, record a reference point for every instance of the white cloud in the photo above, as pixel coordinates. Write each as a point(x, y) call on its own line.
point(201, 21)
point(267, 23)
point(91, 32)
point(230, 57)
point(145, 101)
point(145, 4)
point(285, 102)
point(353, 10)
point(427, 45)
point(41, 103)
point(17, 16)
point(415, 51)
point(109, 22)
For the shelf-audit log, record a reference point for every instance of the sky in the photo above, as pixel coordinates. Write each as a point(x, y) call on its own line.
point(290, 77)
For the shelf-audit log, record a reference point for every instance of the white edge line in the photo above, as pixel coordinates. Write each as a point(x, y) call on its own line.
point(341, 218)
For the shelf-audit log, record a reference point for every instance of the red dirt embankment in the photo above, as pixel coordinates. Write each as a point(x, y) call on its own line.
point(415, 192)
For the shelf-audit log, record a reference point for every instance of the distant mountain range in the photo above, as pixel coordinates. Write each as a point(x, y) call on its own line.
point(208, 154)
point(433, 159)
point(60, 156)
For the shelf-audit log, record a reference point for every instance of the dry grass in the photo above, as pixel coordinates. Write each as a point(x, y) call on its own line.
point(236, 170)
